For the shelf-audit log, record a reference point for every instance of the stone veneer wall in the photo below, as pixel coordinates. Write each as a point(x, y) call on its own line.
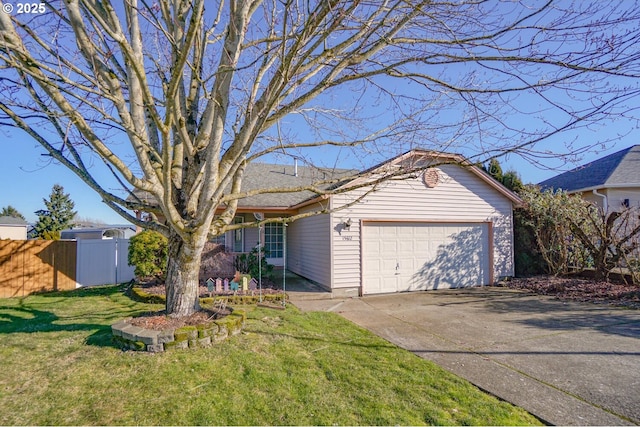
point(136, 338)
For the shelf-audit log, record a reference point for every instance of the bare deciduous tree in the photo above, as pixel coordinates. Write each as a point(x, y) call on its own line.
point(610, 238)
point(176, 97)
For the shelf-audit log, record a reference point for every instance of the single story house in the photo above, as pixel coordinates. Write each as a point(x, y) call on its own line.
point(446, 227)
point(612, 181)
point(13, 228)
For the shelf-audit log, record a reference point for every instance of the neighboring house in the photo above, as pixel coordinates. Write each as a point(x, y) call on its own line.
point(13, 228)
point(106, 232)
point(448, 227)
point(612, 181)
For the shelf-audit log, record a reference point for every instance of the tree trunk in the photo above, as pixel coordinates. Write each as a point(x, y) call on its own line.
point(182, 275)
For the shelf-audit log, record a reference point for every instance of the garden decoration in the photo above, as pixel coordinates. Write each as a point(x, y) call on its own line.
point(210, 285)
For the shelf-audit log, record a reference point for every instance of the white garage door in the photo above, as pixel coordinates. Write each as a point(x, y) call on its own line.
point(401, 257)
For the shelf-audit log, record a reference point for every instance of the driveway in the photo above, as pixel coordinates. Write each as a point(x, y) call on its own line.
point(567, 363)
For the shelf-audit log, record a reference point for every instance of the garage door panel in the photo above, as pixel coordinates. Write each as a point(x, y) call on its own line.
point(420, 256)
point(405, 247)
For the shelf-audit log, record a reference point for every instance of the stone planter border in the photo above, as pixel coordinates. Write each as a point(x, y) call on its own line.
point(131, 337)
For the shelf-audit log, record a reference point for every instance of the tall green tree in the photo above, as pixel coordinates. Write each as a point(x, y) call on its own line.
point(494, 169)
point(57, 216)
point(510, 179)
point(11, 211)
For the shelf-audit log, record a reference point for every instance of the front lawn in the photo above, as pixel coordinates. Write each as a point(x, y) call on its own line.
point(286, 368)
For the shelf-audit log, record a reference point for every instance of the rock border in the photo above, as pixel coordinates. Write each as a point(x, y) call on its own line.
point(131, 337)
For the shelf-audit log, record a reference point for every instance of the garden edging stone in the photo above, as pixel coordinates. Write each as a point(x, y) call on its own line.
point(131, 337)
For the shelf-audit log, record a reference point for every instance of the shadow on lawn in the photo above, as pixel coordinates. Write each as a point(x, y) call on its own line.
point(28, 317)
point(88, 291)
point(29, 320)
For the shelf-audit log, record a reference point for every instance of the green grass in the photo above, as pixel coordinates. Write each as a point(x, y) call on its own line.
point(287, 368)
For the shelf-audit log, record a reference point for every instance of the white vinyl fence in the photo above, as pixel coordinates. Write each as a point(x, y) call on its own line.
point(102, 262)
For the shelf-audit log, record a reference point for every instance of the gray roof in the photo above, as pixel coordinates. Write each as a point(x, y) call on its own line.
point(10, 220)
point(263, 176)
point(615, 170)
point(260, 176)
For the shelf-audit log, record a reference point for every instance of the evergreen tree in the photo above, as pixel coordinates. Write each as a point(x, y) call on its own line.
point(512, 181)
point(495, 170)
point(509, 179)
point(56, 217)
point(11, 211)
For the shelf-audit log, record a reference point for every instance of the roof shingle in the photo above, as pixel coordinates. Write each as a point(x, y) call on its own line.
point(10, 220)
point(266, 176)
point(617, 169)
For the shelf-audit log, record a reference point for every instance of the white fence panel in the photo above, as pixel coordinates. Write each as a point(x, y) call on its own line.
point(102, 262)
point(124, 271)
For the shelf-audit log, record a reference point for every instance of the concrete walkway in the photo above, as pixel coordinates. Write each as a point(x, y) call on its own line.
point(566, 363)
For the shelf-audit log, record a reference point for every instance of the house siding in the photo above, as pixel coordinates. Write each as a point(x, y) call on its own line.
point(460, 196)
point(309, 247)
point(251, 238)
point(615, 197)
point(13, 232)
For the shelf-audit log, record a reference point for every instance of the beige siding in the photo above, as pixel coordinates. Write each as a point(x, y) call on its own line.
point(460, 196)
point(615, 197)
point(309, 248)
point(592, 198)
point(251, 238)
point(13, 232)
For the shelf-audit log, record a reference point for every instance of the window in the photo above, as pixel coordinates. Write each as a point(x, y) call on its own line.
point(273, 240)
point(220, 240)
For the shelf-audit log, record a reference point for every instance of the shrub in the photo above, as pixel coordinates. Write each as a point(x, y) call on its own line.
point(248, 263)
point(544, 233)
point(148, 254)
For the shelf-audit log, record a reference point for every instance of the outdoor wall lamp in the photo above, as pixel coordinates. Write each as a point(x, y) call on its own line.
point(346, 225)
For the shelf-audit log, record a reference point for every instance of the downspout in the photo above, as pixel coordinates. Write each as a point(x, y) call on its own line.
point(605, 204)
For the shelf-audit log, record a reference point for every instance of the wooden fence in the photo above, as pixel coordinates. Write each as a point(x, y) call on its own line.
point(28, 266)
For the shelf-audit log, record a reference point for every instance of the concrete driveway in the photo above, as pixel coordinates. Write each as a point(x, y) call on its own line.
point(567, 363)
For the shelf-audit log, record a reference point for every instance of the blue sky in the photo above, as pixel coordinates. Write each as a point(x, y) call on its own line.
point(28, 175)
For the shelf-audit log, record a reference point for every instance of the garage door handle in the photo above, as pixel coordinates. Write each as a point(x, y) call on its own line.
point(397, 268)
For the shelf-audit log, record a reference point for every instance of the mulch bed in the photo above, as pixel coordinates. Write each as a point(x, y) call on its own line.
point(159, 321)
point(580, 289)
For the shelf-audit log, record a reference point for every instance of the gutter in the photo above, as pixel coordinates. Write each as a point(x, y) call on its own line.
point(605, 202)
